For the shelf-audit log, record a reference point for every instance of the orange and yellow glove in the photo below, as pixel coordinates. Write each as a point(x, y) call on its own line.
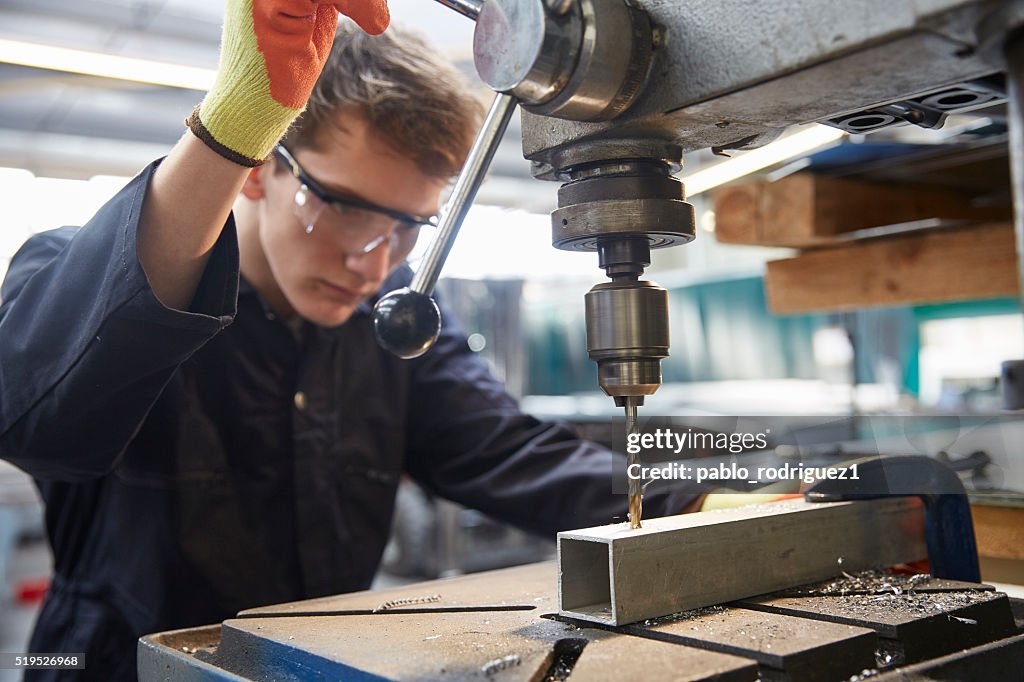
point(272, 52)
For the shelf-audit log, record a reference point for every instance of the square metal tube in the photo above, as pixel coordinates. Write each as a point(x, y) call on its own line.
point(614, 575)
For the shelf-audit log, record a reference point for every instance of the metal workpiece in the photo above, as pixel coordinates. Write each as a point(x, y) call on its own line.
point(585, 60)
point(616, 575)
point(407, 321)
point(627, 335)
point(728, 70)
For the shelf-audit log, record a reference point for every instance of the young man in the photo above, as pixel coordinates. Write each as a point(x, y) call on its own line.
point(207, 443)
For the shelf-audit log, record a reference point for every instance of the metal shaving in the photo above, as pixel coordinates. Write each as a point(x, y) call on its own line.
point(685, 615)
point(923, 604)
point(499, 664)
point(872, 581)
point(407, 601)
point(559, 673)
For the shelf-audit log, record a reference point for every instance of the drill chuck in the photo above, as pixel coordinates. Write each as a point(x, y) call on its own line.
point(627, 335)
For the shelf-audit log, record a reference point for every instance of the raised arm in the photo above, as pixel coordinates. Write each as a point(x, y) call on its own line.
point(272, 52)
point(95, 322)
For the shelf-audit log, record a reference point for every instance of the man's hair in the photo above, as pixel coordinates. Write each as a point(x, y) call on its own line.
point(419, 105)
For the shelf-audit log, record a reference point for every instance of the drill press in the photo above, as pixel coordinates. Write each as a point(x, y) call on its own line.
point(579, 61)
point(622, 209)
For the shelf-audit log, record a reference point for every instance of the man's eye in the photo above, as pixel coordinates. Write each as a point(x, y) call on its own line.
point(346, 210)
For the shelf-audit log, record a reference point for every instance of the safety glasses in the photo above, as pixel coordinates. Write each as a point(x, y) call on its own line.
point(360, 226)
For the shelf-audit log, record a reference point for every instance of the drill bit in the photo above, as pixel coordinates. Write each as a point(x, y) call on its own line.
point(635, 489)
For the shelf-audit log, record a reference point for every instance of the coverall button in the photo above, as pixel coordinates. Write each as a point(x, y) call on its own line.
point(300, 401)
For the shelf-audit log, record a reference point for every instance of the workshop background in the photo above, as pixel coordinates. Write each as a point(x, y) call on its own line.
point(747, 337)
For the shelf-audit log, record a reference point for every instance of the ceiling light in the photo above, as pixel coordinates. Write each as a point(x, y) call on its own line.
point(106, 65)
point(796, 144)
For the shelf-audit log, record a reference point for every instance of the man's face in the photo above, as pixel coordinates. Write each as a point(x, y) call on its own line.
point(326, 259)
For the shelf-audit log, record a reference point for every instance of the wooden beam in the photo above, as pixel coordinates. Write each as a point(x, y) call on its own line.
point(615, 575)
point(927, 267)
point(805, 210)
point(999, 531)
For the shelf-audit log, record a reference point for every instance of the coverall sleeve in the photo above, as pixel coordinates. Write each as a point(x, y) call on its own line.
point(85, 346)
point(470, 442)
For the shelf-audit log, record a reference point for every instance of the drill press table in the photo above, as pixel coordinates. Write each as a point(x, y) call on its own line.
point(500, 626)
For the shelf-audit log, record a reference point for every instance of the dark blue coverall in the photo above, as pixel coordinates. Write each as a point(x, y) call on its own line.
point(184, 481)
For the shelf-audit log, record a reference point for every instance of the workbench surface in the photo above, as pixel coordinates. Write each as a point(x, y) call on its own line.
point(503, 626)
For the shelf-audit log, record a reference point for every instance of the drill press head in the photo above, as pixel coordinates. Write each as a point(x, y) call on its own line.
point(588, 60)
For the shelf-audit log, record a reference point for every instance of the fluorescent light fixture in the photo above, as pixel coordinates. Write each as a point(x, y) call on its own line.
point(106, 65)
point(796, 144)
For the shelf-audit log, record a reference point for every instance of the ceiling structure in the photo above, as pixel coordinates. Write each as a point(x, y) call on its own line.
point(62, 124)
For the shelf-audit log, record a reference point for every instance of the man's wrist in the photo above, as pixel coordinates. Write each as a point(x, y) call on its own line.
point(195, 124)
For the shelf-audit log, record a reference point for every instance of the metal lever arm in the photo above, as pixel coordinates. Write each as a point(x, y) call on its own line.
point(467, 8)
point(407, 321)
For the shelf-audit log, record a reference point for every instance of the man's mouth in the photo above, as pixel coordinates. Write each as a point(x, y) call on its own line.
point(340, 294)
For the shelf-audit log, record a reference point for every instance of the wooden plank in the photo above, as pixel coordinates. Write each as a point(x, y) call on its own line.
point(999, 531)
point(930, 267)
point(805, 210)
point(615, 575)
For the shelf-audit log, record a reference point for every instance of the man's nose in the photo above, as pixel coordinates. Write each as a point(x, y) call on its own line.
point(372, 265)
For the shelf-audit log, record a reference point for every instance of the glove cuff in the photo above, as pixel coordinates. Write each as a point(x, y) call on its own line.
point(239, 117)
point(195, 124)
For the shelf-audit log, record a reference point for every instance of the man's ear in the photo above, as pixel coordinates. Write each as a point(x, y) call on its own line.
point(254, 189)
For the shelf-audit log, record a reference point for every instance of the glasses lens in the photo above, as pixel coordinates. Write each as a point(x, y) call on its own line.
point(358, 230)
point(307, 208)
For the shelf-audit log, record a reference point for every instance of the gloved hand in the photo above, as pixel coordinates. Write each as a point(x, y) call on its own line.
point(272, 52)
